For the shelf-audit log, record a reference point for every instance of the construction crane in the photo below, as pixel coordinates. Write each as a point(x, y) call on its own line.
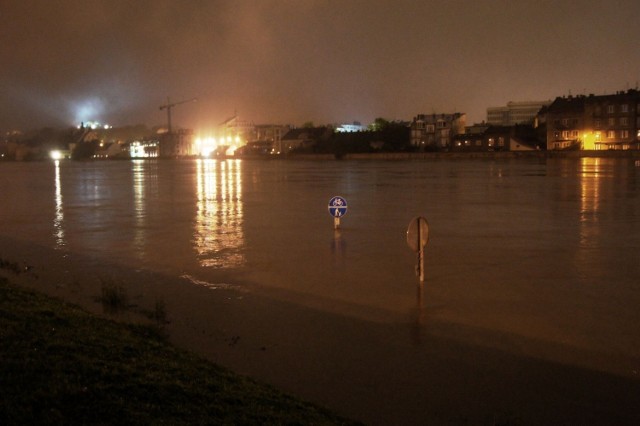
point(170, 105)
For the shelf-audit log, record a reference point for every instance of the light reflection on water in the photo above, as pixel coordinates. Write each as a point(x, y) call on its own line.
point(58, 221)
point(592, 172)
point(139, 179)
point(218, 234)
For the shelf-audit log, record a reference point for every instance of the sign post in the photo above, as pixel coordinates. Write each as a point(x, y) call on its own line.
point(337, 209)
point(417, 238)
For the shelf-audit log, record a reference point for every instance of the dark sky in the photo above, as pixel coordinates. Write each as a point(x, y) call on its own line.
point(292, 61)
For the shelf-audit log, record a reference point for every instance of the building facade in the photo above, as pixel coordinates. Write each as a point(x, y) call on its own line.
point(436, 131)
point(515, 113)
point(604, 122)
point(177, 144)
point(269, 136)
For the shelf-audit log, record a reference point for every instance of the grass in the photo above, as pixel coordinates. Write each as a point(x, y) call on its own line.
point(114, 297)
point(62, 365)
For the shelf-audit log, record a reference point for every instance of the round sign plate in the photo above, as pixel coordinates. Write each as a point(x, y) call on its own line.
point(418, 233)
point(337, 206)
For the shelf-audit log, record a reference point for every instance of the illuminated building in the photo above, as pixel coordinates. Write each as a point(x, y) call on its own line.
point(234, 129)
point(436, 131)
point(143, 149)
point(605, 122)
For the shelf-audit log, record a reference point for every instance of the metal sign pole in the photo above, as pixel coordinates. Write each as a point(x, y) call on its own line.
point(421, 256)
point(417, 238)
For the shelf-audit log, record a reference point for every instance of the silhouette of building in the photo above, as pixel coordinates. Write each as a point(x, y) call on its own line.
point(485, 137)
point(304, 138)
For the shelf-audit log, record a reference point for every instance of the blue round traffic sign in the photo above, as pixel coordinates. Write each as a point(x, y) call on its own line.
point(337, 207)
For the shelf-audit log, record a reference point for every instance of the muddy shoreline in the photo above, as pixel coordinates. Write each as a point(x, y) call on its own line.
point(413, 372)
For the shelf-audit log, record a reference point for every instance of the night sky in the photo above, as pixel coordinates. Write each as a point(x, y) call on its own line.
point(293, 61)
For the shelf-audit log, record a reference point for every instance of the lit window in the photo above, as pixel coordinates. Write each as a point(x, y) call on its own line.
point(611, 134)
point(611, 109)
point(624, 134)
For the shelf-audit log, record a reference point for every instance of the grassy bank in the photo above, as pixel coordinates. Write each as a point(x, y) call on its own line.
point(62, 365)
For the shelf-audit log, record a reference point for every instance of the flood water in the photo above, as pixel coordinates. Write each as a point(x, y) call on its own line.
point(543, 249)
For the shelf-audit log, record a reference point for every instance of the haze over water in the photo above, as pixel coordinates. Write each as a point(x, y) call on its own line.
point(544, 250)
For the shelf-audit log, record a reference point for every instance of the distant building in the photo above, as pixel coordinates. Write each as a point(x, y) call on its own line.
point(594, 122)
point(486, 138)
point(110, 150)
point(515, 113)
point(236, 131)
point(436, 131)
point(177, 144)
point(144, 149)
point(268, 137)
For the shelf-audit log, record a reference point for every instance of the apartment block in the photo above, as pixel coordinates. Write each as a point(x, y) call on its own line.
point(604, 122)
point(436, 131)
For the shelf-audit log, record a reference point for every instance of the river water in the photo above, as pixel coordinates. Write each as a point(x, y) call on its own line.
point(543, 249)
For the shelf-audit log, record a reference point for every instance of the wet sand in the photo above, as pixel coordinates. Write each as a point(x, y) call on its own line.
point(415, 372)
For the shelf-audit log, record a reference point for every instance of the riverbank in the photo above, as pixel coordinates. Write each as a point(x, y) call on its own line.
point(61, 365)
point(373, 372)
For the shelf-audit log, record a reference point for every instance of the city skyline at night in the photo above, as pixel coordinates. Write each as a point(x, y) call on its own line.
point(294, 62)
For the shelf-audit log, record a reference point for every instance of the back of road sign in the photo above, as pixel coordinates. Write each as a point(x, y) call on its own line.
point(418, 233)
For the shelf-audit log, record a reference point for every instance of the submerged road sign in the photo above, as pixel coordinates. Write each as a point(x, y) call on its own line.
point(337, 207)
point(418, 233)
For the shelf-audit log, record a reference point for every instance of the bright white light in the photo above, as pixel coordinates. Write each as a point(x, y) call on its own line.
point(87, 109)
point(205, 146)
point(56, 155)
point(147, 149)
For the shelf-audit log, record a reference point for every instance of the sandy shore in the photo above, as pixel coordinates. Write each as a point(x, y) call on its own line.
point(416, 372)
